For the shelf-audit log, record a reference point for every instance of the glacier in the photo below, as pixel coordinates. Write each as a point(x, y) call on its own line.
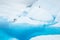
point(29, 19)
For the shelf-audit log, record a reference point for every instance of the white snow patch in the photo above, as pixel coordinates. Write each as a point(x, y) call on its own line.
point(46, 37)
point(40, 14)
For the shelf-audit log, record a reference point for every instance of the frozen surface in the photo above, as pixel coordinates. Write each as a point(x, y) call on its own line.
point(29, 19)
point(48, 37)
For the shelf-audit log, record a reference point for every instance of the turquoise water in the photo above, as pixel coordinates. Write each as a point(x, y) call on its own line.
point(25, 31)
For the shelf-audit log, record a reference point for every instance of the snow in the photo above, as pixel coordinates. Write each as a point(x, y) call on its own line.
point(46, 37)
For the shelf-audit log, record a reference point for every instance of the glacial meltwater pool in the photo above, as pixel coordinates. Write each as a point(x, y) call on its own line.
point(23, 31)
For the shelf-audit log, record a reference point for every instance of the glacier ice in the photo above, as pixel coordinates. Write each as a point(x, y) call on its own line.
point(48, 37)
point(25, 19)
